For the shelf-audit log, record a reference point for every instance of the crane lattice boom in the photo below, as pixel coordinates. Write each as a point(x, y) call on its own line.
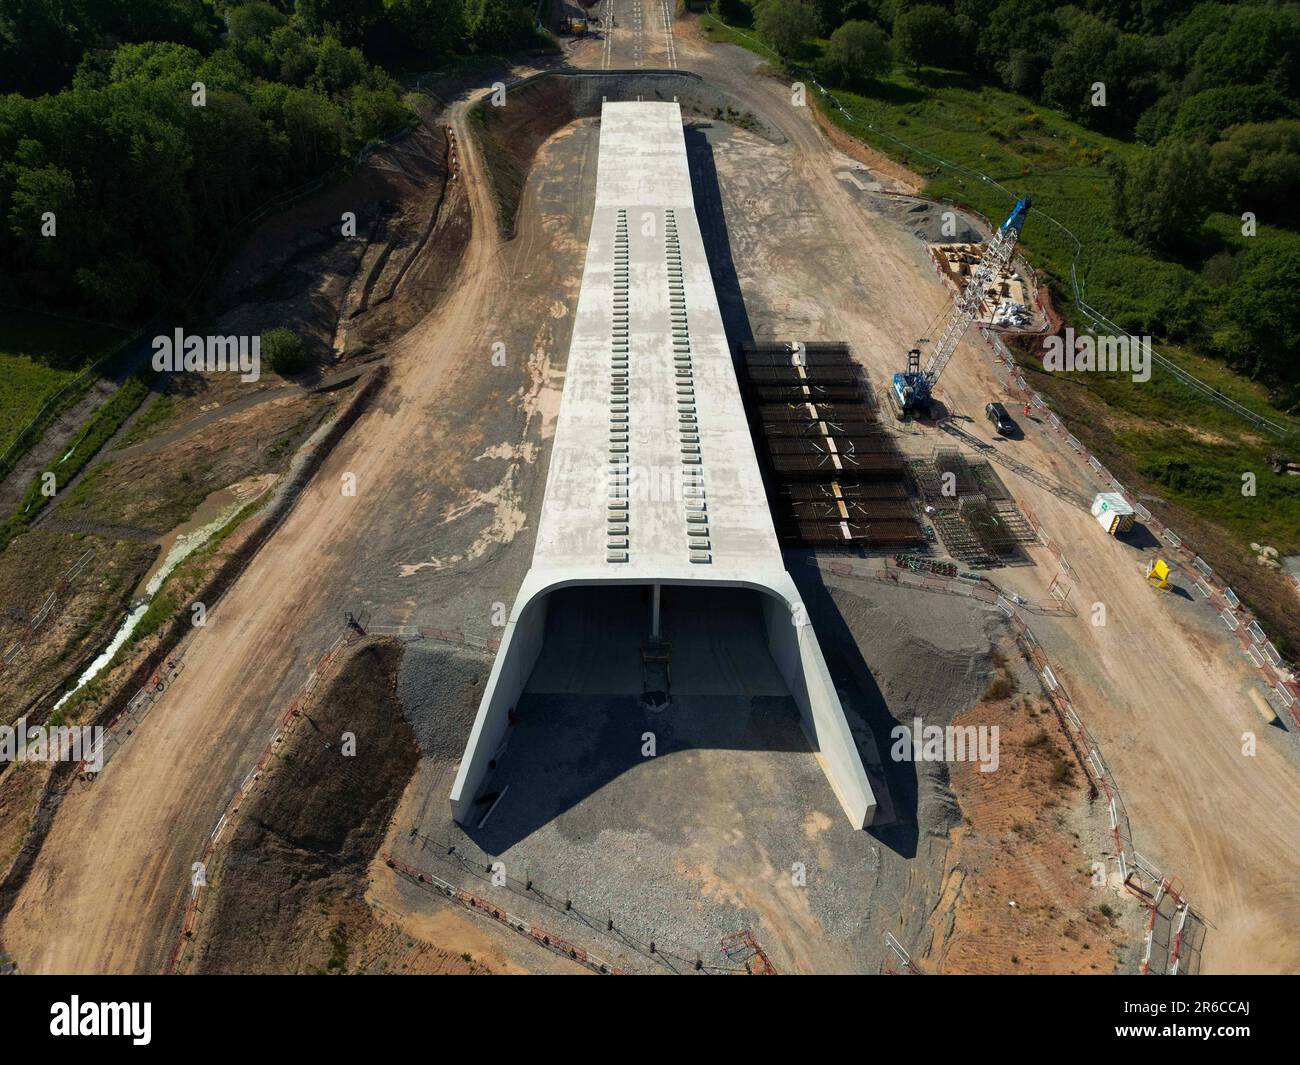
point(913, 388)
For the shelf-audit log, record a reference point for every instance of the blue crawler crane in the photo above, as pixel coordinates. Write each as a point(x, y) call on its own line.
point(914, 386)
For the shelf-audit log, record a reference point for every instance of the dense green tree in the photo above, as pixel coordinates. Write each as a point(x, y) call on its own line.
point(156, 63)
point(337, 68)
point(192, 22)
point(500, 24)
point(1181, 40)
point(1205, 115)
point(735, 12)
point(925, 35)
point(287, 56)
point(283, 352)
point(830, 15)
point(1022, 71)
point(1256, 167)
point(431, 25)
point(787, 25)
point(143, 183)
point(253, 21)
point(1016, 42)
point(858, 51)
point(864, 11)
point(1156, 16)
point(36, 190)
point(39, 45)
point(231, 152)
point(350, 19)
point(1097, 63)
point(1156, 122)
point(42, 41)
point(1261, 328)
point(1162, 197)
point(1260, 47)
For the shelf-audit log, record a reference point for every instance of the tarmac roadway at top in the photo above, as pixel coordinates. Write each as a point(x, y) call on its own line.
point(633, 34)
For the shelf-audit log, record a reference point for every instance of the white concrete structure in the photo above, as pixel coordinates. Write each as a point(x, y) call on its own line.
point(653, 477)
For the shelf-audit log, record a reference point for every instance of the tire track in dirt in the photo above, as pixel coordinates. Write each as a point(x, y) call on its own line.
point(132, 836)
point(1169, 717)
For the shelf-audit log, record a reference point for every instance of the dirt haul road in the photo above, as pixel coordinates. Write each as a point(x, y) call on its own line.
point(1161, 685)
point(1162, 692)
point(108, 887)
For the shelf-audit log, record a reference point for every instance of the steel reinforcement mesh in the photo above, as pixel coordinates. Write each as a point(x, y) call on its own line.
point(972, 510)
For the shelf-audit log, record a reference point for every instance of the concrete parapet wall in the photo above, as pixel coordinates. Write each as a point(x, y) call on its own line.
point(798, 656)
point(520, 646)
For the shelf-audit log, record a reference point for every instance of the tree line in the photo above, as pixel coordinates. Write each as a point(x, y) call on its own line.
point(135, 133)
point(1169, 66)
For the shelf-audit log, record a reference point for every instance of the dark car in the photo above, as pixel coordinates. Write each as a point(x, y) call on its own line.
point(1000, 419)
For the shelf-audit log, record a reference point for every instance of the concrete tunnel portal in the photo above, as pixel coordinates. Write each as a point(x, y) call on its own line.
point(650, 400)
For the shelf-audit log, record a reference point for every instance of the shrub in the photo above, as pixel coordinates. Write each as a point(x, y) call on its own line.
point(786, 24)
point(858, 51)
point(283, 352)
point(1160, 199)
point(924, 35)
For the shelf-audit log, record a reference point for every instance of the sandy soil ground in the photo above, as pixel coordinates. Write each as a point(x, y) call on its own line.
point(1015, 898)
point(1160, 689)
point(131, 837)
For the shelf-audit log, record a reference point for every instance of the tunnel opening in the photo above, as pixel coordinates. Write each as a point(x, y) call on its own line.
point(733, 665)
point(603, 639)
point(614, 715)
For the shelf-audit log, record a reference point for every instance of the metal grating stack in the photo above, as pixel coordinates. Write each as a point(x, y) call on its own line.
point(973, 513)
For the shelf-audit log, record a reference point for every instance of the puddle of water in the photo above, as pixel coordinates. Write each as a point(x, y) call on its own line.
point(177, 545)
point(128, 627)
point(216, 509)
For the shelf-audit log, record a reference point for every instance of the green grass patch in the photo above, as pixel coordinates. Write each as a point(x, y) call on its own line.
point(39, 354)
point(103, 424)
point(162, 608)
point(1207, 477)
point(717, 30)
point(106, 421)
point(25, 385)
point(153, 417)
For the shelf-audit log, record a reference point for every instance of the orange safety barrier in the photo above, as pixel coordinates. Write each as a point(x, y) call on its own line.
point(281, 731)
